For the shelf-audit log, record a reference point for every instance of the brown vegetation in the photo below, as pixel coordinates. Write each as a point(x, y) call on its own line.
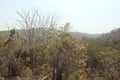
point(45, 52)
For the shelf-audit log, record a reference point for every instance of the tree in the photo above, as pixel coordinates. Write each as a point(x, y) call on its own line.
point(64, 54)
point(33, 23)
point(11, 47)
point(1, 40)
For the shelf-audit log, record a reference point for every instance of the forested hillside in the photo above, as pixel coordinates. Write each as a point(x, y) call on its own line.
point(111, 39)
point(43, 51)
point(80, 35)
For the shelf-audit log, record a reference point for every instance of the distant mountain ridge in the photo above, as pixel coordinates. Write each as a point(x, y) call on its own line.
point(79, 34)
point(87, 35)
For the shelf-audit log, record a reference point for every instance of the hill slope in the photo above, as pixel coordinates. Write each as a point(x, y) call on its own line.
point(79, 34)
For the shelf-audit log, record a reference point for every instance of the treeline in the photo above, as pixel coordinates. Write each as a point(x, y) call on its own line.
point(44, 51)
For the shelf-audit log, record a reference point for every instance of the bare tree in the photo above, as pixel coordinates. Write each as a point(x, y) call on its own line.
point(33, 23)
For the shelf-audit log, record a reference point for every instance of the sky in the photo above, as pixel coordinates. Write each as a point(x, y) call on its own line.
point(89, 16)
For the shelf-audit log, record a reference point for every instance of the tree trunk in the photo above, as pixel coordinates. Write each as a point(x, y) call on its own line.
point(66, 75)
point(53, 73)
point(59, 74)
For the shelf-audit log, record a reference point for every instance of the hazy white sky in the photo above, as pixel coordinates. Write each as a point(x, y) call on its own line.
point(91, 16)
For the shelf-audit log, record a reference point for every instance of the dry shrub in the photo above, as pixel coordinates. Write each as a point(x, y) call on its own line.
point(26, 72)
